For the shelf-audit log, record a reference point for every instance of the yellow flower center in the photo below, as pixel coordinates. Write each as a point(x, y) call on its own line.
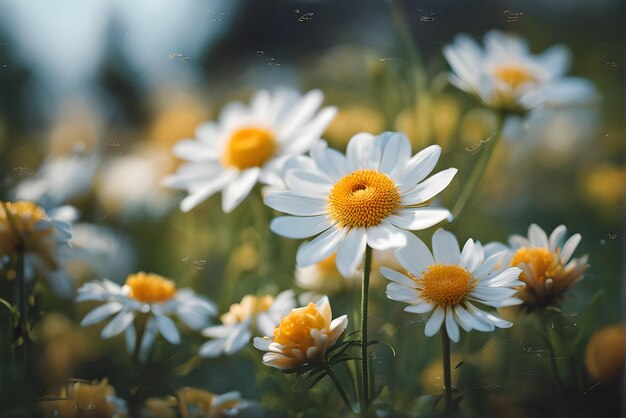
point(249, 306)
point(446, 284)
point(19, 231)
point(294, 330)
point(150, 288)
point(514, 75)
point(363, 198)
point(542, 262)
point(249, 147)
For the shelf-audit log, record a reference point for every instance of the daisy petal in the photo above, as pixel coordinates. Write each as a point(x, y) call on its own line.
point(319, 248)
point(415, 256)
point(385, 236)
point(418, 218)
point(445, 247)
point(295, 204)
point(569, 248)
point(451, 326)
point(397, 277)
point(300, 226)
point(434, 323)
point(100, 313)
point(239, 189)
point(429, 188)
point(117, 324)
point(350, 251)
point(168, 329)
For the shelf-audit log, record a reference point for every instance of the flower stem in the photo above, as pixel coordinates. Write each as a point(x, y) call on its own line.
point(447, 376)
point(338, 386)
point(367, 267)
point(479, 168)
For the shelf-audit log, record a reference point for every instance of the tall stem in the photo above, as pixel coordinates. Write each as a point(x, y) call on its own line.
point(479, 168)
point(367, 267)
point(338, 386)
point(447, 376)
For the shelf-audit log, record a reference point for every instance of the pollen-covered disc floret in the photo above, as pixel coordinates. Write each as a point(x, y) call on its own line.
point(505, 75)
point(369, 197)
point(363, 198)
point(548, 268)
point(454, 285)
point(248, 143)
point(249, 147)
point(302, 337)
point(254, 315)
point(151, 296)
point(150, 288)
point(446, 285)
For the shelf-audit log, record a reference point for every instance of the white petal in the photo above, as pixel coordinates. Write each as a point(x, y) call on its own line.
point(300, 226)
point(569, 248)
point(330, 162)
point(295, 204)
point(469, 322)
point(385, 236)
point(302, 112)
point(364, 152)
point(262, 343)
point(415, 256)
point(308, 183)
point(168, 329)
point(556, 237)
point(537, 236)
point(311, 132)
point(420, 308)
point(503, 279)
point(100, 313)
point(193, 150)
point(434, 323)
point(350, 251)
point(396, 277)
point(213, 348)
point(429, 188)
point(201, 193)
point(149, 335)
point(445, 247)
point(451, 326)
point(239, 189)
point(396, 154)
point(237, 340)
point(488, 266)
point(419, 166)
point(472, 255)
point(320, 248)
point(117, 324)
point(418, 218)
point(401, 293)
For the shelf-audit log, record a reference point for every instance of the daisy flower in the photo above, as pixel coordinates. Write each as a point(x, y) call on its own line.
point(254, 314)
point(148, 296)
point(450, 283)
point(505, 75)
point(247, 144)
point(548, 268)
point(192, 402)
point(367, 197)
point(303, 336)
point(42, 238)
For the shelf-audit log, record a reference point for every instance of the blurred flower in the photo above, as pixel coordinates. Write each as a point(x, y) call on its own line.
point(604, 355)
point(178, 120)
point(258, 314)
point(351, 120)
point(130, 183)
point(506, 76)
point(303, 337)
point(197, 403)
point(548, 268)
point(42, 237)
point(101, 252)
point(246, 144)
point(604, 185)
point(450, 282)
point(368, 197)
point(87, 399)
point(63, 347)
point(146, 296)
point(59, 179)
point(323, 277)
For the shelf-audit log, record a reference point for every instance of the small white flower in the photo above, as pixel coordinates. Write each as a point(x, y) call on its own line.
point(44, 239)
point(247, 145)
point(450, 283)
point(147, 294)
point(258, 314)
point(370, 196)
point(505, 75)
point(548, 268)
point(303, 337)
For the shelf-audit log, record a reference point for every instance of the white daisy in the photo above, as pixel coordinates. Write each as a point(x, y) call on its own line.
point(303, 337)
point(368, 197)
point(254, 314)
point(450, 282)
point(247, 144)
point(548, 268)
point(505, 75)
point(144, 294)
point(43, 238)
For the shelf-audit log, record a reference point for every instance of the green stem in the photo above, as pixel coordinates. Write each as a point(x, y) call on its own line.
point(479, 168)
point(367, 267)
point(338, 386)
point(447, 375)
